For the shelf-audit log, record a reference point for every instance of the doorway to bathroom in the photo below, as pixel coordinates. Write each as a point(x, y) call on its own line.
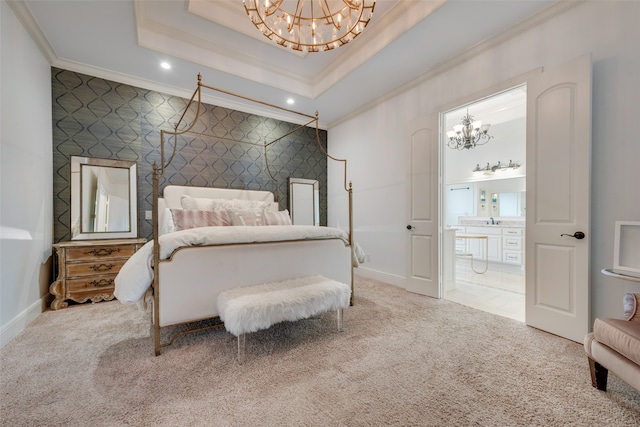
point(484, 203)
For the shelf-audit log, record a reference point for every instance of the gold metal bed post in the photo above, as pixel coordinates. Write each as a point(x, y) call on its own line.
point(158, 172)
point(349, 190)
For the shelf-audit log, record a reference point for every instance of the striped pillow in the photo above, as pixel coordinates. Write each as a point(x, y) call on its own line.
point(184, 218)
point(277, 218)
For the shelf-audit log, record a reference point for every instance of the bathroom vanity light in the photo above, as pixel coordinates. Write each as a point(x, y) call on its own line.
point(497, 167)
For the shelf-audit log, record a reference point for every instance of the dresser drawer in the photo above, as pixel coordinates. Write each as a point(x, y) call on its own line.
point(93, 268)
point(94, 253)
point(93, 283)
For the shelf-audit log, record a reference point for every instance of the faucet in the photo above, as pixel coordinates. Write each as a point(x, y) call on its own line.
point(492, 221)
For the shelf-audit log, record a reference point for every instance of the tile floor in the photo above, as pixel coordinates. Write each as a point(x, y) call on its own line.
point(500, 290)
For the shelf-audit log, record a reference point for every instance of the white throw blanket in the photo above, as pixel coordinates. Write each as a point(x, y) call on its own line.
point(136, 275)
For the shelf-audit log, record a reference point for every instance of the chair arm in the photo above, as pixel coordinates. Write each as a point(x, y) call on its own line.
point(631, 303)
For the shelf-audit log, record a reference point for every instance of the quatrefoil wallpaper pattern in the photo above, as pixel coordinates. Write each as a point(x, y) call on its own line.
point(93, 117)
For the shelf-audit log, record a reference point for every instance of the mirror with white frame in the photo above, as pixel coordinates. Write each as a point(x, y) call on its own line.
point(304, 201)
point(103, 199)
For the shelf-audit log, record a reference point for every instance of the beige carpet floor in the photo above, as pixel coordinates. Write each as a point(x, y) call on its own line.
point(402, 360)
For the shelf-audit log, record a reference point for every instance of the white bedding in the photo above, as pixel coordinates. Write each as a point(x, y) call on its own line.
point(136, 276)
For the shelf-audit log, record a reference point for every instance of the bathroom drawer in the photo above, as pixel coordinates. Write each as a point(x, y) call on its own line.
point(512, 232)
point(512, 257)
point(488, 230)
point(514, 243)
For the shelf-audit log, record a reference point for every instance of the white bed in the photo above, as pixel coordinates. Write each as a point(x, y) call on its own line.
point(183, 282)
point(189, 280)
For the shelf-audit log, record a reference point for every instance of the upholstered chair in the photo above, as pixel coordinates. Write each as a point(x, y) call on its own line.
point(614, 345)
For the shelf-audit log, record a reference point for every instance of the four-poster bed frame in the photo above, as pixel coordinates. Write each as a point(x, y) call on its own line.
point(280, 260)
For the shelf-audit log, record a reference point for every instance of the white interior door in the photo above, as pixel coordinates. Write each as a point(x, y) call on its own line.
point(558, 193)
point(422, 199)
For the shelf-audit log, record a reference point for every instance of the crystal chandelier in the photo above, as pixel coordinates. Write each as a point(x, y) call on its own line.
point(310, 25)
point(468, 134)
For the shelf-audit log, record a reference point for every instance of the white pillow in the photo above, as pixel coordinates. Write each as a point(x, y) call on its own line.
point(166, 226)
point(197, 204)
point(247, 217)
point(203, 204)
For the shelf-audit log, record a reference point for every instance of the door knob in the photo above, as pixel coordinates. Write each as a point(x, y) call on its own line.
point(409, 227)
point(578, 235)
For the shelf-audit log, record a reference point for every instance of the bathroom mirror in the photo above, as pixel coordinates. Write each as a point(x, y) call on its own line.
point(103, 199)
point(512, 204)
point(304, 201)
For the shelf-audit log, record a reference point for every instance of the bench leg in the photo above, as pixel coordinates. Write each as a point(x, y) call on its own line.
point(598, 375)
point(340, 319)
point(241, 347)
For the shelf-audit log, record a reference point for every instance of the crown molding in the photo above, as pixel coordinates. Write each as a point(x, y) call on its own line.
point(224, 13)
point(207, 98)
point(24, 15)
point(398, 20)
point(161, 37)
point(556, 9)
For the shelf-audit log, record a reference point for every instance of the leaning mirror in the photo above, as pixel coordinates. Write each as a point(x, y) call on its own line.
point(304, 201)
point(103, 199)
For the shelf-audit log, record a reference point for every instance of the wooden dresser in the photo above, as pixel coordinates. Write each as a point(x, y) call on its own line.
point(87, 269)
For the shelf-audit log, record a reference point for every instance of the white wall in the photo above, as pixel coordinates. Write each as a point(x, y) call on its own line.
point(26, 175)
point(374, 140)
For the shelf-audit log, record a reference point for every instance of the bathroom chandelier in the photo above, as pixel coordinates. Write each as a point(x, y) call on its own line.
point(468, 134)
point(312, 25)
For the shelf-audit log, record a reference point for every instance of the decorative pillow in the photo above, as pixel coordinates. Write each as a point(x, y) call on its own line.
point(277, 218)
point(203, 204)
point(186, 218)
point(198, 204)
point(243, 204)
point(631, 309)
point(253, 216)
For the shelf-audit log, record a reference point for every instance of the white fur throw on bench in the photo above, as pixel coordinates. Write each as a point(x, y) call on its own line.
point(252, 308)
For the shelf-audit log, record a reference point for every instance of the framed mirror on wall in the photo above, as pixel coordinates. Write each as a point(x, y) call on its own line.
point(103, 199)
point(304, 201)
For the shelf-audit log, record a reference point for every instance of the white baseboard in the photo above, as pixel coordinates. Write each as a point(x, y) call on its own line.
point(391, 279)
point(20, 322)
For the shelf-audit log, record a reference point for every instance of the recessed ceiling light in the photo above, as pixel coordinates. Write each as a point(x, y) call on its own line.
point(165, 65)
point(290, 101)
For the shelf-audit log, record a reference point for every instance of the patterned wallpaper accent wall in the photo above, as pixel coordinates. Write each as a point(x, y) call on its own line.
point(94, 117)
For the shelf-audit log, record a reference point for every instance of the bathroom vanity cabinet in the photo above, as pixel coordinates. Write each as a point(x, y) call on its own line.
point(505, 244)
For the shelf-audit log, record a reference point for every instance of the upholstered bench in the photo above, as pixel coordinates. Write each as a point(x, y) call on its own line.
point(253, 308)
point(614, 345)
